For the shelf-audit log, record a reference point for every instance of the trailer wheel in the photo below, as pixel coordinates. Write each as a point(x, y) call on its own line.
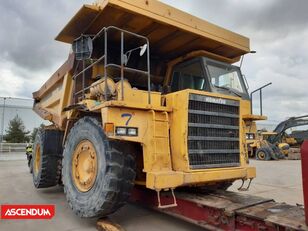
point(46, 158)
point(263, 154)
point(98, 174)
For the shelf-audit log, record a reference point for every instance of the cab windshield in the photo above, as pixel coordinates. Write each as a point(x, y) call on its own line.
point(209, 75)
point(225, 76)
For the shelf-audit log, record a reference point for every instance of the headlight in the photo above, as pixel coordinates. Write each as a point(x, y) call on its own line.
point(120, 131)
point(250, 136)
point(132, 131)
point(126, 131)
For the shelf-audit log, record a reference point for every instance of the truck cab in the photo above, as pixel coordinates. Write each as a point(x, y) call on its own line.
point(209, 75)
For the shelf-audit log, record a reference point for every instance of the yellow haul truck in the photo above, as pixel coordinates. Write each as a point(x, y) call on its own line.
point(147, 98)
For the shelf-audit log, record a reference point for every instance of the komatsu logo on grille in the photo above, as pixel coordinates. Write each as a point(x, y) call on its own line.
point(215, 100)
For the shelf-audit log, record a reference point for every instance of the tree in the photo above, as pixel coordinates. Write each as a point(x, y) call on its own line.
point(35, 130)
point(16, 132)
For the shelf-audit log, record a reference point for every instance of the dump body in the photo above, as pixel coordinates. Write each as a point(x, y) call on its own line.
point(172, 33)
point(55, 95)
point(188, 136)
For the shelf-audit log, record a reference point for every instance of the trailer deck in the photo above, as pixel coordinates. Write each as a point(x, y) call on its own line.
point(224, 210)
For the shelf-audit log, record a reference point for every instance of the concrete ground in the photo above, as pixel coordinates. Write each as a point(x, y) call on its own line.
point(280, 180)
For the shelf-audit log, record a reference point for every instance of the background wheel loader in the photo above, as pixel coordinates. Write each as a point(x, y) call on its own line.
point(145, 99)
point(277, 144)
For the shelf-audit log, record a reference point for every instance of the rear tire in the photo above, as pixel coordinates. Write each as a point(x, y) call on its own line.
point(263, 154)
point(46, 158)
point(105, 186)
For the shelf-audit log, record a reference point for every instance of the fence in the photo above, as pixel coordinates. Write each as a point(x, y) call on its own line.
point(13, 147)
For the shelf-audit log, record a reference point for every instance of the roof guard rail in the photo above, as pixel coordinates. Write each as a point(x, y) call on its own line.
point(104, 31)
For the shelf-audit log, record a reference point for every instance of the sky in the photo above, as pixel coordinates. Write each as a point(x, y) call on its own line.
point(278, 31)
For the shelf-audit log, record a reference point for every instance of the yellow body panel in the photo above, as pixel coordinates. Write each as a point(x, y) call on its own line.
point(173, 179)
point(169, 167)
point(290, 140)
point(51, 105)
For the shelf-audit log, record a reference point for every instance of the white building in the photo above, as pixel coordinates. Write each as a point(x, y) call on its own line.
point(10, 107)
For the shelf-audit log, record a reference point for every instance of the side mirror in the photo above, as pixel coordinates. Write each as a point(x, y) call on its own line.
point(143, 49)
point(125, 59)
point(126, 56)
point(83, 47)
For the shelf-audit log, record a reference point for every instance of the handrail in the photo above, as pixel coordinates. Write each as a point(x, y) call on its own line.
point(122, 67)
point(259, 89)
point(88, 67)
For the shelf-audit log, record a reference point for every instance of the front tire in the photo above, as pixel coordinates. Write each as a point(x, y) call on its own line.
point(263, 154)
point(98, 174)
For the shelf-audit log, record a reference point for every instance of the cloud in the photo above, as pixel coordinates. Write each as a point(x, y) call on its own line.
point(10, 83)
point(27, 43)
point(278, 31)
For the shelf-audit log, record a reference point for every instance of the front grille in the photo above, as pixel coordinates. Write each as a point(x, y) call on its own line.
point(213, 132)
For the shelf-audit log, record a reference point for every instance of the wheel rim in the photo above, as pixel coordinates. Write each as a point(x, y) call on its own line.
point(84, 166)
point(261, 155)
point(37, 159)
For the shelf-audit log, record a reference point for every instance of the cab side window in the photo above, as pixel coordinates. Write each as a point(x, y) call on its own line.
point(188, 76)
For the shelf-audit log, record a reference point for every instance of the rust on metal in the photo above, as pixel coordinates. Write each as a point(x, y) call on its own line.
point(105, 224)
point(224, 210)
point(273, 214)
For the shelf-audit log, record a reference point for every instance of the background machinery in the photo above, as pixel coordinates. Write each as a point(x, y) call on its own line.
point(278, 143)
point(282, 136)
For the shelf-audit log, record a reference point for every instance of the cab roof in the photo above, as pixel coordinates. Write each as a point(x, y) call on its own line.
point(171, 32)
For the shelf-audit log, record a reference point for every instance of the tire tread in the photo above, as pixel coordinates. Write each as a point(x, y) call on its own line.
point(118, 183)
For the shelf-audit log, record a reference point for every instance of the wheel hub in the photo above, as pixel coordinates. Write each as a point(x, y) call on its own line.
point(261, 155)
point(84, 166)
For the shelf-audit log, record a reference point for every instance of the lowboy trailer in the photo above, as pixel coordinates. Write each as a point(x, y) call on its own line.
point(225, 210)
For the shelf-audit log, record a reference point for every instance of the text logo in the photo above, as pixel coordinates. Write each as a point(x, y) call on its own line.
point(215, 100)
point(27, 211)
